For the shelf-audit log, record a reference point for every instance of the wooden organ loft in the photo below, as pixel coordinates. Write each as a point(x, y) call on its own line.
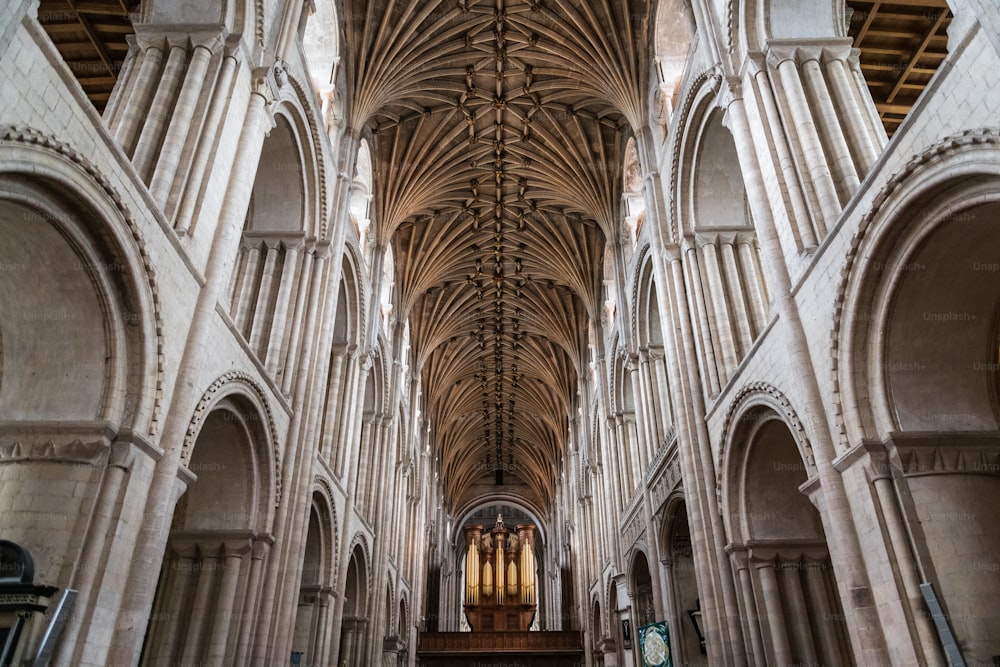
point(500, 593)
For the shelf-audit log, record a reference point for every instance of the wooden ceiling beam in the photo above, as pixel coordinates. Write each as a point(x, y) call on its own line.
point(95, 39)
point(937, 4)
point(942, 16)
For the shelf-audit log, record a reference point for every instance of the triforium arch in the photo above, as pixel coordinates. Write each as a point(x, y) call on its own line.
point(648, 322)
point(917, 367)
point(718, 242)
point(345, 367)
point(282, 222)
point(780, 561)
point(206, 606)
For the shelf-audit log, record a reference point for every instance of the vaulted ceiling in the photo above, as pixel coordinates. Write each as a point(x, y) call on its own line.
point(499, 129)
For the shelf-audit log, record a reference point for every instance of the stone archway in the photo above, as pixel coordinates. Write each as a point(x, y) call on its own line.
point(784, 576)
point(682, 585)
point(205, 610)
point(311, 637)
point(930, 391)
point(355, 624)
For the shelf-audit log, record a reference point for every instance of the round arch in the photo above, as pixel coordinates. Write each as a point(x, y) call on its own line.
point(924, 278)
point(224, 517)
point(357, 587)
point(681, 574)
point(640, 582)
point(938, 193)
point(477, 505)
point(778, 547)
point(69, 237)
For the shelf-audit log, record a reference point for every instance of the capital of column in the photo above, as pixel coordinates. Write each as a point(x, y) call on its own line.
point(869, 455)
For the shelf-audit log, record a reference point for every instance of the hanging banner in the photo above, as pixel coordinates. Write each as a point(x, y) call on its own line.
point(654, 645)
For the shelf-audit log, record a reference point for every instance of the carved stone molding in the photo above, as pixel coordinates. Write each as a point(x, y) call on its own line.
point(244, 385)
point(946, 454)
point(58, 442)
point(748, 400)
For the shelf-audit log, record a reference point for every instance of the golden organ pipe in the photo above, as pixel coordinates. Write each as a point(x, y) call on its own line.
point(500, 570)
point(487, 579)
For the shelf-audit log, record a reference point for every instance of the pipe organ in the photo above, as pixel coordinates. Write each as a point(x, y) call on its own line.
point(500, 569)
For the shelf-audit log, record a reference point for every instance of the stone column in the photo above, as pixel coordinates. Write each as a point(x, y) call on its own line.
point(845, 174)
point(248, 626)
point(738, 293)
point(282, 306)
point(331, 419)
point(829, 644)
point(705, 353)
point(182, 567)
point(780, 646)
point(751, 615)
point(150, 54)
point(187, 191)
point(801, 127)
point(150, 137)
point(197, 621)
point(798, 611)
point(722, 329)
point(246, 284)
point(225, 598)
point(263, 296)
point(176, 138)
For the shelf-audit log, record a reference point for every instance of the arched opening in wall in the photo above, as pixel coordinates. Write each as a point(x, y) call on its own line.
point(632, 198)
point(902, 45)
point(389, 627)
point(355, 624)
point(719, 195)
point(730, 283)
point(644, 610)
point(52, 319)
point(372, 444)
point(386, 289)
point(361, 200)
point(935, 384)
point(683, 586)
point(403, 630)
point(266, 278)
point(205, 609)
point(598, 638)
point(653, 378)
point(320, 45)
point(536, 589)
point(673, 35)
point(790, 601)
point(92, 38)
point(77, 365)
point(343, 370)
point(315, 603)
point(614, 647)
point(626, 429)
